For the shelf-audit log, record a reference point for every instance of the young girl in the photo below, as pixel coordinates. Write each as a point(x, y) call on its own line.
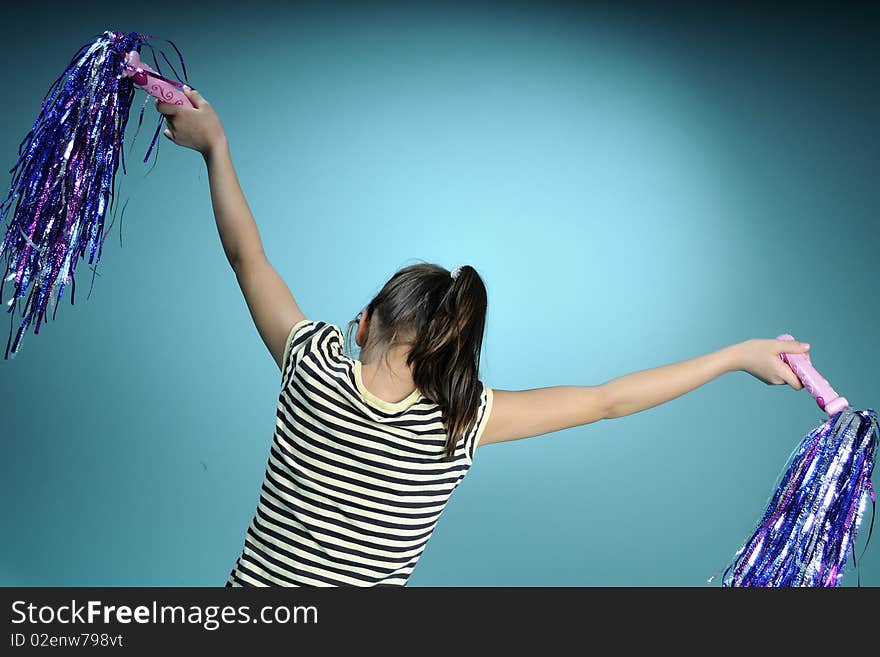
point(367, 452)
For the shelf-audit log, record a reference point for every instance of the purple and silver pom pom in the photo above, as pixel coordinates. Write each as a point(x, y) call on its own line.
point(810, 525)
point(64, 180)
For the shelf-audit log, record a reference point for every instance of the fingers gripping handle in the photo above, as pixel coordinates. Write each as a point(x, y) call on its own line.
point(154, 84)
point(828, 400)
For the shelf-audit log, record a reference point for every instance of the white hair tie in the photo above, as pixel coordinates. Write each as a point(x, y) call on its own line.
point(455, 272)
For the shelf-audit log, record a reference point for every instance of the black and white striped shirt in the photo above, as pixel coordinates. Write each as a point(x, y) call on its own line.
point(354, 484)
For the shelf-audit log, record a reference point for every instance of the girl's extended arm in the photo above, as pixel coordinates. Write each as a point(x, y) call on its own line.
point(638, 391)
point(271, 304)
point(524, 413)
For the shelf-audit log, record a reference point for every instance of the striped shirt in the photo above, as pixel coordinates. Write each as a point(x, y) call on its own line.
point(354, 484)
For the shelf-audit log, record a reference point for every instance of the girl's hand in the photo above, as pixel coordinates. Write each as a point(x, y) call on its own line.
point(761, 358)
point(197, 127)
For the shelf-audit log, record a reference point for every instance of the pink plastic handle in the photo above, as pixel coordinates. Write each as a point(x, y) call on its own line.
point(150, 81)
point(828, 400)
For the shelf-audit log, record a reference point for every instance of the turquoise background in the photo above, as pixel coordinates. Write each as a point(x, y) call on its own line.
point(635, 187)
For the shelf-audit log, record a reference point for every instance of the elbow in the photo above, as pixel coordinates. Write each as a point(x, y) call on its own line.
point(592, 404)
point(608, 407)
point(233, 257)
point(241, 261)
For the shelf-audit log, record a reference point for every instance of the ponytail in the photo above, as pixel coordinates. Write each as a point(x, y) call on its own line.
point(445, 317)
point(446, 355)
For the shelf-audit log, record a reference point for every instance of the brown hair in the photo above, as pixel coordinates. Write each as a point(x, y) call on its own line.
point(443, 319)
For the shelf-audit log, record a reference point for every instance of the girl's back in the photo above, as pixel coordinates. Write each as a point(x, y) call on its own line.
point(354, 484)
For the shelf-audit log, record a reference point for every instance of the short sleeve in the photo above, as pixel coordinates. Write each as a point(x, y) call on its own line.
point(298, 340)
point(321, 341)
point(483, 413)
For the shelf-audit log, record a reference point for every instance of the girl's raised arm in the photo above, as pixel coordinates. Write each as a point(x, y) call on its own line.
point(271, 304)
point(524, 413)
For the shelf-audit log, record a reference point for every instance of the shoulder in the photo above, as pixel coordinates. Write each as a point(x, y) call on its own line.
point(297, 336)
point(310, 336)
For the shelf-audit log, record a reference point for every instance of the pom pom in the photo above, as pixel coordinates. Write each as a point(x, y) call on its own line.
point(64, 180)
point(811, 523)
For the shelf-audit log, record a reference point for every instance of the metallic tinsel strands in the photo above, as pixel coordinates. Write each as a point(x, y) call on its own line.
point(810, 525)
point(64, 180)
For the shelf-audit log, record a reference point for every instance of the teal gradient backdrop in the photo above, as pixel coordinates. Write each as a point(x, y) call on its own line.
point(636, 188)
